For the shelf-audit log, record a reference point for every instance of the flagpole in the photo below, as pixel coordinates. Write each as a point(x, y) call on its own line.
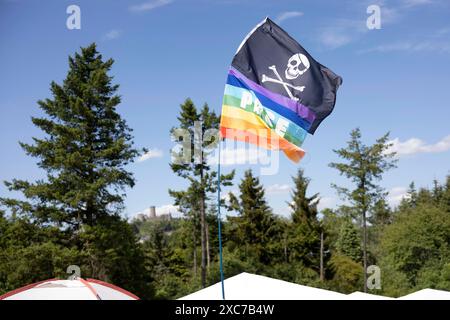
point(220, 224)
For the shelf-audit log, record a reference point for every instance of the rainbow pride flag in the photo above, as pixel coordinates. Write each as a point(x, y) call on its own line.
point(275, 93)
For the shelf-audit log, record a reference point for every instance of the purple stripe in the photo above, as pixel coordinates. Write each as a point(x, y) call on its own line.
point(298, 108)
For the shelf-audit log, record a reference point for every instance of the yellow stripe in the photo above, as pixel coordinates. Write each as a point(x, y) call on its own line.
point(244, 131)
point(239, 119)
point(233, 112)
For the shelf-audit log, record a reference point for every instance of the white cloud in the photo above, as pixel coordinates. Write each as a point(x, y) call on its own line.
point(327, 202)
point(241, 155)
point(150, 154)
point(278, 188)
point(396, 195)
point(162, 210)
point(113, 34)
point(149, 5)
point(168, 209)
point(287, 15)
point(415, 145)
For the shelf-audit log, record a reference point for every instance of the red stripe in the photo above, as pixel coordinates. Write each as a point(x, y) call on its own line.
point(27, 287)
point(88, 285)
point(109, 285)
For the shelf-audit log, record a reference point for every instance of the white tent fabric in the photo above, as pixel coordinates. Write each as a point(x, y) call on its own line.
point(79, 289)
point(358, 295)
point(247, 286)
point(427, 294)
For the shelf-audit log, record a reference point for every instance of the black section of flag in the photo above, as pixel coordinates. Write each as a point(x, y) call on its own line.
point(274, 60)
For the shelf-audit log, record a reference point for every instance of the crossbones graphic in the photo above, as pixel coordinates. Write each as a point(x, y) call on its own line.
point(293, 71)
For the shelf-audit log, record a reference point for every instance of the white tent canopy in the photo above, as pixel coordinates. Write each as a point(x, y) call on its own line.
point(427, 294)
point(358, 295)
point(78, 289)
point(246, 286)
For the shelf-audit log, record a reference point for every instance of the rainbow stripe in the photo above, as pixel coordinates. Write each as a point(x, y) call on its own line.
point(252, 114)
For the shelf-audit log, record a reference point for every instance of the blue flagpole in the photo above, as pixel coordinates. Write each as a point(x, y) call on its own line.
point(219, 223)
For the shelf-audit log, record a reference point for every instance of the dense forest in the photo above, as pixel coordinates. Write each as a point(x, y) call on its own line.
point(410, 244)
point(73, 217)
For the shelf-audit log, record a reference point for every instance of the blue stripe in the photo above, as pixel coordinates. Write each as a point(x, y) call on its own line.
point(270, 104)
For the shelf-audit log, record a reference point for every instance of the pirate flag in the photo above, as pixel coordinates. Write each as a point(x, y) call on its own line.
point(276, 91)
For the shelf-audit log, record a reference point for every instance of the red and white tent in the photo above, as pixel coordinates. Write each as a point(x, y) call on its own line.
point(78, 289)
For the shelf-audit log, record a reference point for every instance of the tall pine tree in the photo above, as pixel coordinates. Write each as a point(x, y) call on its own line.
point(196, 129)
point(364, 165)
point(84, 151)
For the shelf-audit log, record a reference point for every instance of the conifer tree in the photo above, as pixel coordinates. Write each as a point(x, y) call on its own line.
point(348, 242)
point(364, 165)
point(85, 149)
point(446, 198)
point(381, 213)
point(191, 163)
point(256, 225)
point(304, 233)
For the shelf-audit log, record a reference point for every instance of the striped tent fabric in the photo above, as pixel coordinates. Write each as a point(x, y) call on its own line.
point(76, 289)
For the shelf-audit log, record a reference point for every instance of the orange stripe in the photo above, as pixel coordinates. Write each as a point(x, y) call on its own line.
point(88, 285)
point(262, 138)
point(109, 285)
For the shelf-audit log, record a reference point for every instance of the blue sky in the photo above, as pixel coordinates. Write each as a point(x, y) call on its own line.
point(395, 79)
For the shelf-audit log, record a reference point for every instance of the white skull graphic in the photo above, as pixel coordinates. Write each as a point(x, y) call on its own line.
point(293, 66)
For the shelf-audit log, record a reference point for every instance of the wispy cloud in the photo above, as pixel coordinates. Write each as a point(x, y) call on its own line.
point(415, 146)
point(437, 46)
point(149, 5)
point(150, 154)
point(341, 33)
point(287, 15)
point(113, 34)
point(415, 3)
point(396, 195)
point(278, 189)
point(335, 38)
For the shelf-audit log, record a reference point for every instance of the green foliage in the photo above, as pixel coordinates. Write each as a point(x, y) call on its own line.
point(303, 240)
point(111, 252)
point(196, 130)
point(349, 242)
point(30, 253)
point(364, 166)
point(255, 228)
point(417, 244)
point(347, 274)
